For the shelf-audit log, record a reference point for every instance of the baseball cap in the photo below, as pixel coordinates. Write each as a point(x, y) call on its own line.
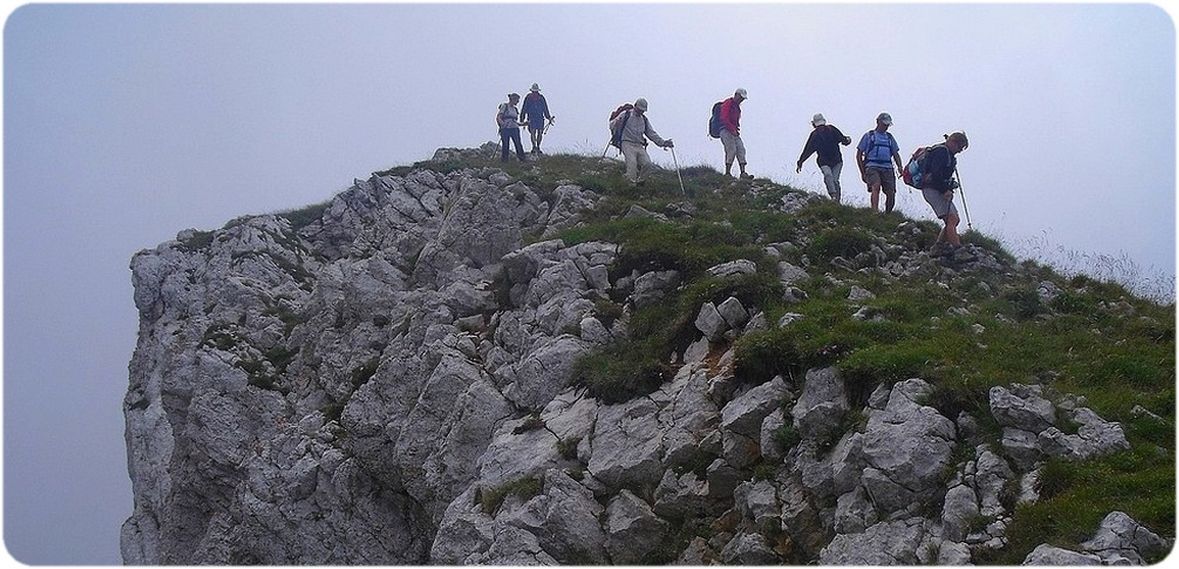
point(641, 104)
point(884, 118)
point(818, 120)
point(742, 93)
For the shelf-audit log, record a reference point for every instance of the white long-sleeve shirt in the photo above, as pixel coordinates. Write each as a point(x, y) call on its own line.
point(636, 128)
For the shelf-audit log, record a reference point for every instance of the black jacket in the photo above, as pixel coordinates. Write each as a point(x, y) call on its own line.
point(825, 140)
point(939, 168)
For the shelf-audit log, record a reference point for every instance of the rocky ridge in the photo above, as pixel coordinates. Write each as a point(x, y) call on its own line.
point(390, 383)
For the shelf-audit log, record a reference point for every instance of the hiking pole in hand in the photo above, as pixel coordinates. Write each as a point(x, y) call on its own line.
point(677, 172)
point(547, 125)
point(964, 206)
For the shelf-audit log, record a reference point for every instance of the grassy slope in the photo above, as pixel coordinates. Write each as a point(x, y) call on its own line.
point(1095, 339)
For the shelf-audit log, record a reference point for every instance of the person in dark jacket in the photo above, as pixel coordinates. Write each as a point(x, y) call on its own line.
point(535, 111)
point(938, 185)
point(825, 140)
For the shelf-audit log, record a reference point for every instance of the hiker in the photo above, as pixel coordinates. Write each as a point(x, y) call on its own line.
point(631, 129)
point(535, 111)
point(876, 149)
point(730, 135)
point(508, 121)
point(825, 140)
point(938, 185)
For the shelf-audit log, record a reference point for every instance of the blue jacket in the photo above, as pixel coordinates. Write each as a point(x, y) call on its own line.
point(534, 110)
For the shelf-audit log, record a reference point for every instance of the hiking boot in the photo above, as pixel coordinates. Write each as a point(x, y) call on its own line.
point(746, 176)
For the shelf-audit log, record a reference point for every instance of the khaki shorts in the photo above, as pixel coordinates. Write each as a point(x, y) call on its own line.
point(885, 177)
point(937, 200)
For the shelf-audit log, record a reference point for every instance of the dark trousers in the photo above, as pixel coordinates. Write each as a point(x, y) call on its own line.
point(513, 135)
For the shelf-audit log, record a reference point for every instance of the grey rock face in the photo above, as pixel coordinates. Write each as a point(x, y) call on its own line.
point(650, 287)
point(907, 446)
point(1045, 554)
point(1119, 536)
point(885, 543)
point(632, 528)
point(710, 322)
point(748, 549)
point(744, 415)
point(371, 318)
point(1022, 407)
point(733, 268)
point(790, 274)
point(822, 404)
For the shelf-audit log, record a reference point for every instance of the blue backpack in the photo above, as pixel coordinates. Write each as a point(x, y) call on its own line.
point(914, 172)
point(714, 122)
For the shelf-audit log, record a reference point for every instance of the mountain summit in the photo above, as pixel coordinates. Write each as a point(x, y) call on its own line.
point(459, 362)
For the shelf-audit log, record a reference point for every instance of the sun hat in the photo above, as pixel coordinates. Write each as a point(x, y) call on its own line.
point(818, 120)
point(641, 104)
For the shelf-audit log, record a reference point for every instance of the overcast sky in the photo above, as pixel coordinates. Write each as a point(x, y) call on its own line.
point(126, 124)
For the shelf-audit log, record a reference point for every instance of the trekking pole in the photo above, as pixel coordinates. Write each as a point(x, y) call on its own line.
point(964, 206)
point(677, 172)
point(605, 150)
point(547, 125)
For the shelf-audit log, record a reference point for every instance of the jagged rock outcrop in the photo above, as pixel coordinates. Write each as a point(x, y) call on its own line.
point(389, 380)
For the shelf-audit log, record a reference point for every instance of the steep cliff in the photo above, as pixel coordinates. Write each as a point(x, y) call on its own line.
point(457, 363)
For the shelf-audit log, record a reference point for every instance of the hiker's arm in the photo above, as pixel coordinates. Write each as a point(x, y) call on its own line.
point(860, 163)
point(654, 136)
point(896, 157)
point(806, 151)
point(844, 139)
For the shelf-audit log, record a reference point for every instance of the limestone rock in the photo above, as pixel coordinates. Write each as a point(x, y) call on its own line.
point(822, 404)
point(733, 268)
point(749, 549)
point(1045, 554)
point(710, 323)
point(632, 528)
point(885, 543)
point(744, 415)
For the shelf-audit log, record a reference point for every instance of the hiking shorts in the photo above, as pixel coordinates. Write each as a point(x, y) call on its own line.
point(937, 200)
point(734, 147)
point(884, 177)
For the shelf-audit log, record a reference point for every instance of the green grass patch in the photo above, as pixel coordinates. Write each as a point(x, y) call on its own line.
point(525, 488)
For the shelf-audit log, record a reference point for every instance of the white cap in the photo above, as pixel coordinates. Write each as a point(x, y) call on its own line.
point(884, 118)
point(741, 93)
point(535, 87)
point(641, 104)
point(818, 120)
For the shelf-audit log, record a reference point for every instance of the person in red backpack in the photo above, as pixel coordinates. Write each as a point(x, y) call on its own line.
point(730, 135)
point(937, 187)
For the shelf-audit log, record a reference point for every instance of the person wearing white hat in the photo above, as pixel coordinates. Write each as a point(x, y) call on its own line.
point(535, 111)
point(730, 135)
point(635, 129)
point(825, 140)
point(875, 155)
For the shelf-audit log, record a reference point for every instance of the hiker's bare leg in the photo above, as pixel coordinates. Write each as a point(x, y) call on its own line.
point(874, 189)
point(729, 169)
point(950, 232)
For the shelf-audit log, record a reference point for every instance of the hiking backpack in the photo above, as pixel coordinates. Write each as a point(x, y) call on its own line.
point(616, 133)
point(714, 122)
point(914, 172)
